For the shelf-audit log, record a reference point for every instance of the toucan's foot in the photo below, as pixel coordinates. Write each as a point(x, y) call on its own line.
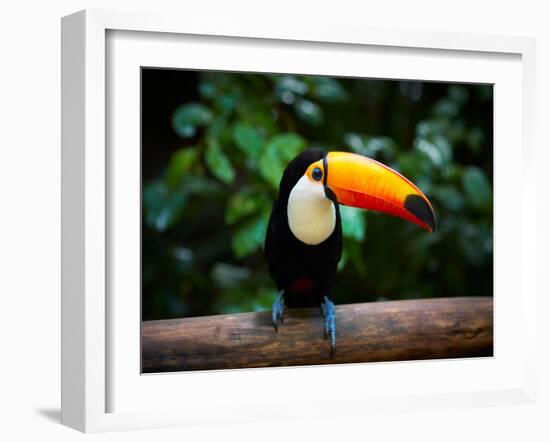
point(327, 307)
point(278, 310)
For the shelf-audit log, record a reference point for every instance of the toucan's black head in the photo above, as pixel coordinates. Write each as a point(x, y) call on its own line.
point(296, 170)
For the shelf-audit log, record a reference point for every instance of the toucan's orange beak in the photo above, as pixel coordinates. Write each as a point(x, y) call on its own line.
point(358, 181)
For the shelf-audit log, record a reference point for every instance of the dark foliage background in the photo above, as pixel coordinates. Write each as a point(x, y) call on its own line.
point(213, 149)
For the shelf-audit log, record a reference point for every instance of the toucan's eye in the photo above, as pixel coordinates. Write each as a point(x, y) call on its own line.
point(317, 174)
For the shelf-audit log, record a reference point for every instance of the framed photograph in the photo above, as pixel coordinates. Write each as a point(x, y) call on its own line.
point(245, 210)
point(262, 223)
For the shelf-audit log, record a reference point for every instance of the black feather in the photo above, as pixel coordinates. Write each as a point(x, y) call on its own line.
point(304, 272)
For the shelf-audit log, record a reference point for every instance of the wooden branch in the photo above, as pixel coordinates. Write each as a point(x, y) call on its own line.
point(378, 331)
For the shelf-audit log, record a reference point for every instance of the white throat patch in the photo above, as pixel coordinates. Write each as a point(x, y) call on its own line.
point(311, 215)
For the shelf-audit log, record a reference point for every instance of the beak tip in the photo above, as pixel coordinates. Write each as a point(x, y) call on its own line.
point(422, 210)
point(433, 224)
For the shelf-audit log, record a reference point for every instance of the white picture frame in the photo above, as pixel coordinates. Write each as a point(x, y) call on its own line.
point(87, 316)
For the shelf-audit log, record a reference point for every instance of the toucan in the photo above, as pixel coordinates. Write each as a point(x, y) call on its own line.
point(303, 241)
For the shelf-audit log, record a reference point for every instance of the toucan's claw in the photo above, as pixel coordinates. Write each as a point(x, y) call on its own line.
point(327, 307)
point(278, 310)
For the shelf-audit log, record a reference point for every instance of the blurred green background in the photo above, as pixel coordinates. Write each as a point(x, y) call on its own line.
point(214, 146)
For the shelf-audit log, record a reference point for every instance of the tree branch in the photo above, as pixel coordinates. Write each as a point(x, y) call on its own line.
point(378, 331)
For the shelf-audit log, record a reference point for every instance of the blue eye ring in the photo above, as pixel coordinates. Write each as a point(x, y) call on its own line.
point(317, 174)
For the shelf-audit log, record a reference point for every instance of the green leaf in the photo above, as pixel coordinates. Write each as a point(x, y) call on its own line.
point(308, 111)
point(287, 145)
point(264, 299)
point(328, 89)
point(477, 243)
point(436, 147)
point(228, 276)
point(353, 223)
point(239, 300)
point(343, 260)
point(414, 164)
point(271, 166)
point(477, 188)
point(448, 197)
point(443, 146)
point(458, 94)
point(207, 89)
point(278, 151)
point(288, 87)
point(226, 102)
point(202, 186)
point(188, 117)
point(355, 257)
point(247, 138)
point(474, 138)
point(179, 164)
point(242, 204)
point(371, 146)
point(446, 108)
point(162, 208)
point(218, 163)
point(250, 236)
